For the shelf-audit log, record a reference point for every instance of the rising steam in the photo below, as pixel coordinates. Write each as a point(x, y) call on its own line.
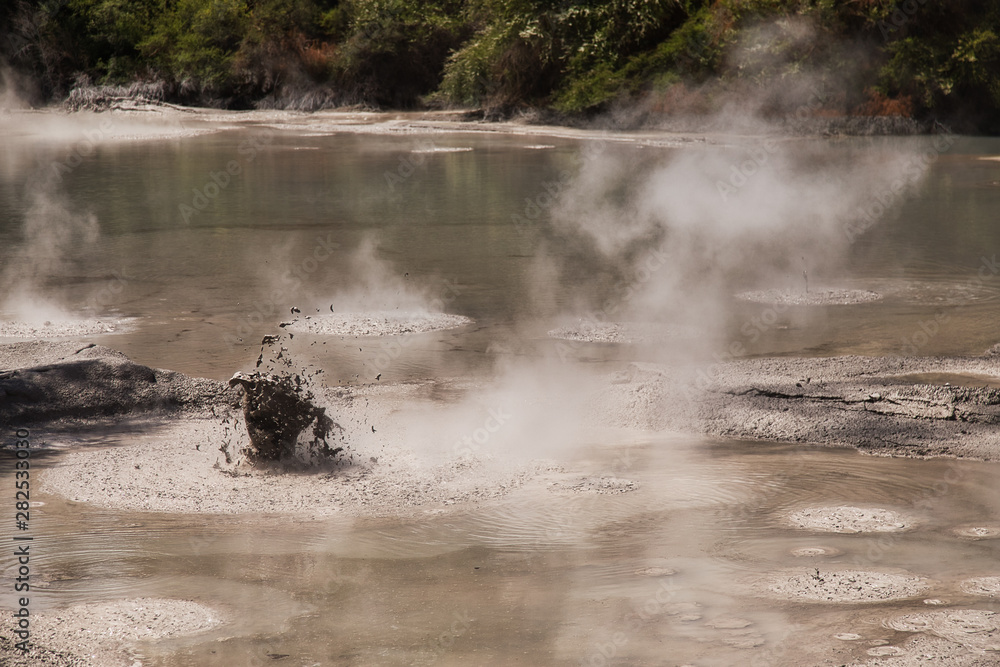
point(52, 235)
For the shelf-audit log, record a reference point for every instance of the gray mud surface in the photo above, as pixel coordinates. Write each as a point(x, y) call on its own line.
point(861, 402)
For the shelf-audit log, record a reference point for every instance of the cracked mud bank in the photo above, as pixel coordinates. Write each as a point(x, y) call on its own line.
point(915, 407)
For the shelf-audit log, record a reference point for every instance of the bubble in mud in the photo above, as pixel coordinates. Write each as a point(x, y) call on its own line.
point(846, 519)
point(978, 532)
point(886, 651)
point(812, 552)
point(847, 636)
point(935, 601)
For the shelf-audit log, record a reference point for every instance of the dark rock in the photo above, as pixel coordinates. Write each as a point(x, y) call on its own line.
point(96, 382)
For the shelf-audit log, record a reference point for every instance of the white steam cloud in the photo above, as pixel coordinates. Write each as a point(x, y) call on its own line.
point(52, 235)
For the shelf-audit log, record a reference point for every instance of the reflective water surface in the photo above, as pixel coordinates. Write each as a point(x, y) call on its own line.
point(665, 574)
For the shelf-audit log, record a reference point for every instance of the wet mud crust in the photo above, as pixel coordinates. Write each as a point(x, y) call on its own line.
point(101, 634)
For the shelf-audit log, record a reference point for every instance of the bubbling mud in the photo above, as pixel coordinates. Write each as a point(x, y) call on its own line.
point(377, 323)
point(978, 532)
point(849, 520)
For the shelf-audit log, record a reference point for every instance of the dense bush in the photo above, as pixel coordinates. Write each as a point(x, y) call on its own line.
point(934, 60)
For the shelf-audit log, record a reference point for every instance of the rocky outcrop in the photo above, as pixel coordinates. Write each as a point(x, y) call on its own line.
point(92, 382)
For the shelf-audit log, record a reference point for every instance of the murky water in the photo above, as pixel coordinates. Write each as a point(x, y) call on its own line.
point(205, 280)
point(660, 575)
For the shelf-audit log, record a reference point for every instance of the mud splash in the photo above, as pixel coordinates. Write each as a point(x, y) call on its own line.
point(278, 405)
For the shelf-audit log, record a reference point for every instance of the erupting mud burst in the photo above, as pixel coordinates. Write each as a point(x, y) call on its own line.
point(278, 406)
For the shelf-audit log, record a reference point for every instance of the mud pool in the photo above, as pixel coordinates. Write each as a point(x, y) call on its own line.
point(695, 564)
point(627, 546)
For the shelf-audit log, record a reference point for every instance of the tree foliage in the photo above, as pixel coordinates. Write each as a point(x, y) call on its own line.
point(938, 60)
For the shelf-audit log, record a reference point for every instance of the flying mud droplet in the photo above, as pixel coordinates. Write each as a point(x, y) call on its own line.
point(846, 519)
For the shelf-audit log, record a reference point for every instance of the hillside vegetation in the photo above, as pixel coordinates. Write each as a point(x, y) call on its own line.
point(919, 58)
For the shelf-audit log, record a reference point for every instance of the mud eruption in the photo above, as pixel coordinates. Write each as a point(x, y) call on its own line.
point(277, 409)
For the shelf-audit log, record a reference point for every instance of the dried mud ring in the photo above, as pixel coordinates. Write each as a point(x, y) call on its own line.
point(849, 520)
point(976, 630)
point(656, 572)
point(137, 619)
point(978, 532)
point(64, 329)
point(982, 586)
point(815, 552)
point(829, 297)
point(843, 586)
point(375, 323)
